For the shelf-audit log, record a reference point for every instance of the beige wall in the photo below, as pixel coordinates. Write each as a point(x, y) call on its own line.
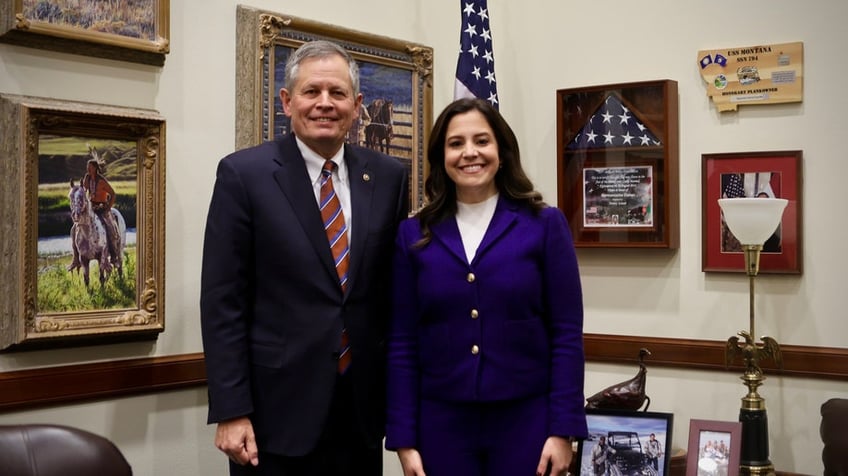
point(540, 46)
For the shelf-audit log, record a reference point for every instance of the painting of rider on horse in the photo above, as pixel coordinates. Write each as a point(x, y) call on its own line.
point(87, 240)
point(86, 211)
point(379, 133)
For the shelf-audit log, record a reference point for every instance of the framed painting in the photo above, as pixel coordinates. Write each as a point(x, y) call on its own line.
point(395, 80)
point(626, 442)
point(617, 164)
point(752, 174)
point(83, 225)
point(714, 448)
point(129, 30)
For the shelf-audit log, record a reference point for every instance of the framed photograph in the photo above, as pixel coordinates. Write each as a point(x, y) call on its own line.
point(714, 448)
point(83, 223)
point(129, 30)
point(395, 80)
point(625, 442)
point(617, 151)
point(752, 174)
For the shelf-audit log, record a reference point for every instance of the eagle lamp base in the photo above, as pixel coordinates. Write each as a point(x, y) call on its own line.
point(754, 458)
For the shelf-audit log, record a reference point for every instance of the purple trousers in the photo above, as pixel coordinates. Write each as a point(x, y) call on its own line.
point(483, 439)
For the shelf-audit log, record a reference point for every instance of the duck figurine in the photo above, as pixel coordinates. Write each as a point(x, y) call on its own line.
point(627, 395)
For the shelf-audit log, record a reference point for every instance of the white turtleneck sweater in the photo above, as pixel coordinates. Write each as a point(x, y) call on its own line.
point(473, 220)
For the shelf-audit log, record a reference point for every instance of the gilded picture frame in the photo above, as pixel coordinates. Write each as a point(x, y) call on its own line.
point(133, 30)
point(78, 283)
point(392, 72)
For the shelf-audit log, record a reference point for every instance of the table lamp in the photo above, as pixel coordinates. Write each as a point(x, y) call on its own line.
point(752, 221)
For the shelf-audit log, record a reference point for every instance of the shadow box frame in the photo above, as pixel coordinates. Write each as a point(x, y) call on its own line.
point(601, 422)
point(97, 317)
point(718, 169)
point(266, 38)
point(698, 429)
point(619, 190)
point(19, 28)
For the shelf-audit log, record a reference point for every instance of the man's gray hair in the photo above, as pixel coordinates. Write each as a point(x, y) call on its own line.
point(320, 49)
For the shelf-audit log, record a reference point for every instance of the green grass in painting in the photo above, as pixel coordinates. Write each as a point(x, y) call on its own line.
point(62, 291)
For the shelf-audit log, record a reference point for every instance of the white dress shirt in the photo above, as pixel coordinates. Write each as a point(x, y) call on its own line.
point(341, 184)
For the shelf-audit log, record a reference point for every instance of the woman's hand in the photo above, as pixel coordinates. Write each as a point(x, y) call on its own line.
point(558, 453)
point(410, 461)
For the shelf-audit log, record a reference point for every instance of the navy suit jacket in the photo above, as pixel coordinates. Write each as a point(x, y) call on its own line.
point(506, 326)
point(271, 306)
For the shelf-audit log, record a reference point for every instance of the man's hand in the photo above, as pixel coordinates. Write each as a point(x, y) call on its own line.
point(236, 439)
point(558, 453)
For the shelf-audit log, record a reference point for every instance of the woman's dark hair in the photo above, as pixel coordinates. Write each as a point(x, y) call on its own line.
point(440, 190)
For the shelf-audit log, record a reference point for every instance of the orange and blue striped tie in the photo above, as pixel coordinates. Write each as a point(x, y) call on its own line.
point(334, 224)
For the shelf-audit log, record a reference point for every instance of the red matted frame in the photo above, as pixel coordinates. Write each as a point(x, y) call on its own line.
point(784, 181)
point(724, 461)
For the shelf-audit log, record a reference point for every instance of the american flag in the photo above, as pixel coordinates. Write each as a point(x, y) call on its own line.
point(613, 125)
point(733, 186)
point(475, 67)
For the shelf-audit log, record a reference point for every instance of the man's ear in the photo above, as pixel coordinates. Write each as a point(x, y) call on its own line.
point(285, 98)
point(357, 104)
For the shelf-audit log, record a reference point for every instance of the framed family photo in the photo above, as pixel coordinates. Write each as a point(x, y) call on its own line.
point(130, 30)
point(395, 81)
point(617, 148)
point(714, 448)
point(83, 210)
point(752, 174)
point(625, 442)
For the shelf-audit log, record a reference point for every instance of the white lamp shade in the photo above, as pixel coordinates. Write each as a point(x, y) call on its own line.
point(752, 220)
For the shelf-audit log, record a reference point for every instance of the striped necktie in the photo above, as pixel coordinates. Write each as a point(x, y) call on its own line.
point(336, 229)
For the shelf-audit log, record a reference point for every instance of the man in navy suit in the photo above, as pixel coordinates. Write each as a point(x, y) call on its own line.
point(273, 305)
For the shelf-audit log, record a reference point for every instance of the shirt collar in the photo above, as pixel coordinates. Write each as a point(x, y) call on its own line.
point(314, 162)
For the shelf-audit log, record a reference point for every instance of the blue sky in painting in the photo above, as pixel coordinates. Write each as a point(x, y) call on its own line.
point(376, 80)
point(643, 425)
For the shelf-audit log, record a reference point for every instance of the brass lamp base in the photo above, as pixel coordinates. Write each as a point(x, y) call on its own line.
point(752, 221)
point(756, 470)
point(754, 458)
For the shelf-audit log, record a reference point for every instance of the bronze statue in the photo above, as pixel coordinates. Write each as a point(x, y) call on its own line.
point(627, 395)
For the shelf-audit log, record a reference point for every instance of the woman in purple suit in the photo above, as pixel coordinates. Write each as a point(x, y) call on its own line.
point(485, 351)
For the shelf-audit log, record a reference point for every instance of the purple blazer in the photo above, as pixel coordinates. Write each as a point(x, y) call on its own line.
point(506, 326)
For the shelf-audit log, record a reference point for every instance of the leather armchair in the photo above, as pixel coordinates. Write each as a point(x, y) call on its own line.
point(833, 432)
point(55, 450)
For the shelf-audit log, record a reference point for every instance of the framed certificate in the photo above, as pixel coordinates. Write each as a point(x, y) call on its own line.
point(617, 151)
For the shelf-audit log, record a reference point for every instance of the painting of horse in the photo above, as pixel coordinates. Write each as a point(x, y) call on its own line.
point(88, 237)
point(378, 134)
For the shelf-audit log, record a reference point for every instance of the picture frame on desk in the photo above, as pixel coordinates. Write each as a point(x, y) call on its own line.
point(626, 436)
point(772, 174)
point(135, 30)
point(617, 167)
point(78, 283)
point(714, 448)
point(395, 81)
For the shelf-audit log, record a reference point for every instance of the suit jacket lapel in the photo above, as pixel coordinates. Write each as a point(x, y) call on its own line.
point(296, 185)
point(447, 231)
point(361, 179)
point(505, 215)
